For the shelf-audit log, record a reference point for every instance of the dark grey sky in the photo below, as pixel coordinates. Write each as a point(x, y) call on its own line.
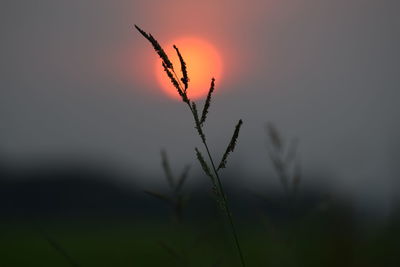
point(324, 71)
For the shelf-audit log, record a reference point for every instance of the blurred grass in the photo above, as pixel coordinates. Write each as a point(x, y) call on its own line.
point(134, 243)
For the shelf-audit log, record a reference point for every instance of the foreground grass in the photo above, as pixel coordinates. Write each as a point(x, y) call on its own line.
point(151, 243)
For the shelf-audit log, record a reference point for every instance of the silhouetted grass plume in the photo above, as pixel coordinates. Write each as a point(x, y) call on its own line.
point(199, 122)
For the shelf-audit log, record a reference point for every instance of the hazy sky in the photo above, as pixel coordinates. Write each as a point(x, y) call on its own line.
point(76, 79)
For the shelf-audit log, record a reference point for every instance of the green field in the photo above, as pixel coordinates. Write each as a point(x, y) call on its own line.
point(152, 243)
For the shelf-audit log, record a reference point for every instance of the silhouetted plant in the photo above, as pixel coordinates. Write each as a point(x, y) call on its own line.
point(284, 159)
point(176, 199)
point(212, 172)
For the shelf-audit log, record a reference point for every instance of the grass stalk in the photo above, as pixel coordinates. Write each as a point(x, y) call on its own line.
point(226, 206)
point(284, 160)
point(199, 122)
point(176, 199)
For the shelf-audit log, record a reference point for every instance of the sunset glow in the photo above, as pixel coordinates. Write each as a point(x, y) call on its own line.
point(203, 62)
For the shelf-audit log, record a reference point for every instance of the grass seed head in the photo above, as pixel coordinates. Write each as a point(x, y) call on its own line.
point(204, 164)
point(176, 84)
point(208, 172)
point(231, 146)
point(157, 47)
point(208, 102)
point(182, 178)
point(185, 78)
point(167, 169)
point(275, 136)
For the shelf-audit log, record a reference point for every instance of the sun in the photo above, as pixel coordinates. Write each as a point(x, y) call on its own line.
point(203, 62)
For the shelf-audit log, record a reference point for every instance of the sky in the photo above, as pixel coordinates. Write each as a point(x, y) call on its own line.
point(77, 79)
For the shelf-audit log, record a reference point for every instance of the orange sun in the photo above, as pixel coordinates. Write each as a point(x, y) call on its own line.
point(203, 62)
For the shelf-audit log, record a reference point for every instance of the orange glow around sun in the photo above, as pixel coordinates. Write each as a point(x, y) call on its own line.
point(203, 62)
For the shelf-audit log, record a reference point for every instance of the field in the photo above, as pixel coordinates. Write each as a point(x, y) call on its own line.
point(310, 242)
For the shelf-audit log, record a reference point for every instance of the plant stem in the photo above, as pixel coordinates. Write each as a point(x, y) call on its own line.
point(223, 197)
point(227, 209)
point(221, 189)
